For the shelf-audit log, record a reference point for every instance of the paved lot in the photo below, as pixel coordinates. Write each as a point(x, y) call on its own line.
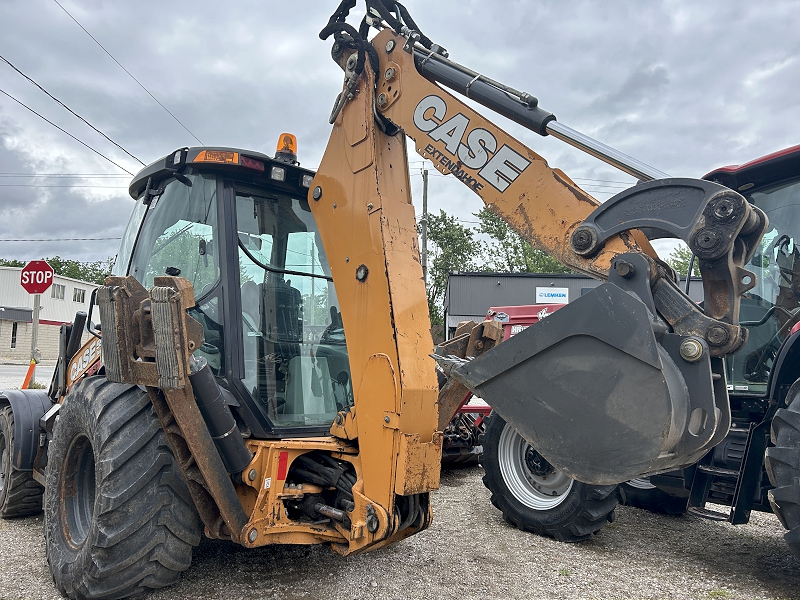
point(470, 553)
point(12, 376)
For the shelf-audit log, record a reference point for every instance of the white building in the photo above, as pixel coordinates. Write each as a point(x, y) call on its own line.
point(58, 305)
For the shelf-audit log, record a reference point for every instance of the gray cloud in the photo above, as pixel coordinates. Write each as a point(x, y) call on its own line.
point(684, 86)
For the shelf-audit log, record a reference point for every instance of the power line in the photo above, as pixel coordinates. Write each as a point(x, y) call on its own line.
point(128, 72)
point(600, 182)
point(425, 162)
point(67, 132)
point(627, 183)
point(61, 239)
point(5, 60)
point(63, 175)
point(39, 185)
point(68, 175)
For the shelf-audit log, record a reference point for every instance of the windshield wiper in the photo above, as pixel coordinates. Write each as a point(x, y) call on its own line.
point(282, 271)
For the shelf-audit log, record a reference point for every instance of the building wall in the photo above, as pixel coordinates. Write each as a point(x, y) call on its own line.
point(470, 295)
point(54, 311)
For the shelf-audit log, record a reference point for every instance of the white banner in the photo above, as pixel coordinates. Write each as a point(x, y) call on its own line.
point(552, 295)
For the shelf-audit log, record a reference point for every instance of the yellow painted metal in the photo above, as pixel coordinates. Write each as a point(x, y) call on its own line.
point(418, 465)
point(541, 203)
point(366, 220)
point(361, 202)
point(264, 491)
point(86, 360)
point(345, 425)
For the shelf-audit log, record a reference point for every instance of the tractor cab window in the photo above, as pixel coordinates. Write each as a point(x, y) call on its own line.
point(123, 258)
point(775, 301)
point(295, 355)
point(179, 237)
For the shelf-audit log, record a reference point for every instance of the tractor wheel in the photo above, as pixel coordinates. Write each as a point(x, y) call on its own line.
point(783, 467)
point(118, 516)
point(20, 494)
point(643, 494)
point(535, 496)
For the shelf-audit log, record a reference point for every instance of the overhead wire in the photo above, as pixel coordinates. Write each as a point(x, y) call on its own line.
point(65, 131)
point(61, 239)
point(63, 175)
point(128, 72)
point(5, 60)
point(426, 163)
point(600, 182)
point(40, 185)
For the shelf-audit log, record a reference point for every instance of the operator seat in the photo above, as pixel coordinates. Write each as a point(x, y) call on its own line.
point(282, 330)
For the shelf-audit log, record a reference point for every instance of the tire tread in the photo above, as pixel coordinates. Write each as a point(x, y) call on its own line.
point(144, 525)
point(782, 463)
point(22, 496)
point(594, 509)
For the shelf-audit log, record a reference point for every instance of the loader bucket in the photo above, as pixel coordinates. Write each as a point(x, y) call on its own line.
point(599, 395)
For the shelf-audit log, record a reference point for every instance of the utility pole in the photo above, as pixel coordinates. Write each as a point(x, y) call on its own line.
point(425, 226)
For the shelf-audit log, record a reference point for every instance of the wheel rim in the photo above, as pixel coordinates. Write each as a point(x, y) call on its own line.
point(528, 476)
point(78, 491)
point(641, 483)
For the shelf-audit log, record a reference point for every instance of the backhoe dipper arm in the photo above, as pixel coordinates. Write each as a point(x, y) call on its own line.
point(626, 380)
point(554, 214)
point(517, 184)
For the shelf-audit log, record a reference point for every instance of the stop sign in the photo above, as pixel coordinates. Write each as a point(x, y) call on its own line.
point(36, 277)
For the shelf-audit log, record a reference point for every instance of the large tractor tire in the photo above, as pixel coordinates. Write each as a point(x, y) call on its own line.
point(119, 520)
point(643, 494)
point(20, 494)
point(783, 467)
point(534, 496)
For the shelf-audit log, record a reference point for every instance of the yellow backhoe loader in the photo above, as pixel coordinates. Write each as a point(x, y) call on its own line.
point(266, 375)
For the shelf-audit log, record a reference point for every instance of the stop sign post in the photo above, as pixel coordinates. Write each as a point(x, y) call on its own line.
point(36, 278)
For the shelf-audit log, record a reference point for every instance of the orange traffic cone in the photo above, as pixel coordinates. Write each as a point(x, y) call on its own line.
point(29, 374)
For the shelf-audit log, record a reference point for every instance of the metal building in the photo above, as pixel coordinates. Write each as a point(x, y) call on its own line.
point(58, 305)
point(469, 295)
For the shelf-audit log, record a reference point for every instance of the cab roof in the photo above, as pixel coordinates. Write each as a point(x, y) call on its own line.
point(767, 170)
point(217, 157)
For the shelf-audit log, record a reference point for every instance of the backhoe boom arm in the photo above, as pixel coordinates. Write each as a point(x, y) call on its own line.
point(570, 384)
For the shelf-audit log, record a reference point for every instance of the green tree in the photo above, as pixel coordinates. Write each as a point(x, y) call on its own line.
point(180, 248)
point(453, 247)
point(679, 260)
point(508, 252)
point(94, 272)
point(4, 262)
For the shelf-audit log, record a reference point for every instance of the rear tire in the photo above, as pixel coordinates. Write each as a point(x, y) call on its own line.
point(783, 468)
point(534, 496)
point(20, 494)
point(643, 494)
point(118, 518)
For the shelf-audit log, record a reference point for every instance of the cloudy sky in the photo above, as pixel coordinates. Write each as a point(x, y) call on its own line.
point(683, 86)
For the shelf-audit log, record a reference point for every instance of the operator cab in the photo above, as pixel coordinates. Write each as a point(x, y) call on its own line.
point(772, 308)
point(238, 226)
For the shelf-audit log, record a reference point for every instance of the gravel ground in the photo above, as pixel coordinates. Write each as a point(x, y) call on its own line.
point(469, 552)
